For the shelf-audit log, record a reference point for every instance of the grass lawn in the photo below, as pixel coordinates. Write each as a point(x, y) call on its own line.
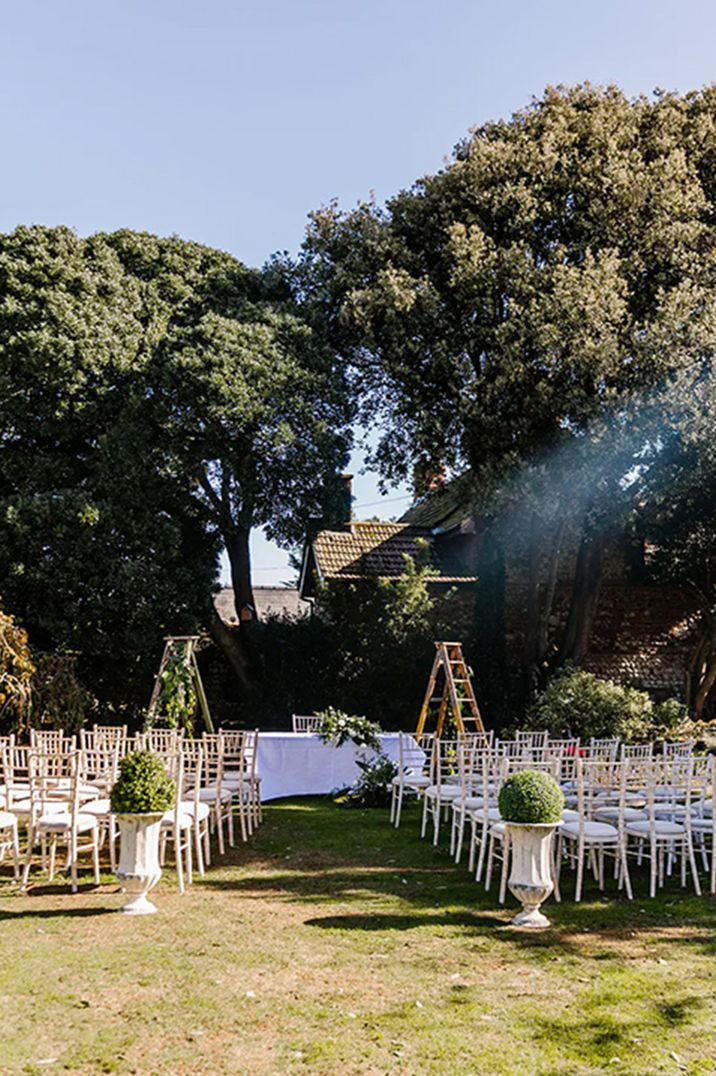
point(334, 944)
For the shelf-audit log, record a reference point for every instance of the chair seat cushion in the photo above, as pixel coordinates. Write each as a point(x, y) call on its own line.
point(593, 831)
point(7, 820)
point(199, 810)
point(570, 816)
point(47, 807)
point(631, 814)
point(661, 828)
point(444, 792)
point(208, 795)
point(97, 807)
point(61, 822)
point(469, 803)
point(184, 821)
point(412, 780)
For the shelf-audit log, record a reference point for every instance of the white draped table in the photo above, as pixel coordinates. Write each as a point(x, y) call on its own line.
point(301, 764)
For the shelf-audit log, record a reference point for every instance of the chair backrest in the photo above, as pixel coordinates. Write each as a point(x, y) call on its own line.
point(416, 752)
point(678, 749)
point(52, 740)
point(162, 741)
point(305, 723)
point(637, 750)
point(605, 749)
point(446, 763)
point(53, 778)
point(105, 736)
point(99, 765)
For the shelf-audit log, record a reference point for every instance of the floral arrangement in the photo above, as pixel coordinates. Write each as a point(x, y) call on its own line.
point(337, 727)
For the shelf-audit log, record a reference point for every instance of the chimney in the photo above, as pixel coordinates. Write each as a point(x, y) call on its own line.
point(344, 502)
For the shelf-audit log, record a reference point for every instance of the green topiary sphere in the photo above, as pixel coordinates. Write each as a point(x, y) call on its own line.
point(143, 786)
point(530, 797)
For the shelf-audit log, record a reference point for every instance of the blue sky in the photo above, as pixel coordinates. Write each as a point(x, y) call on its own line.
point(227, 121)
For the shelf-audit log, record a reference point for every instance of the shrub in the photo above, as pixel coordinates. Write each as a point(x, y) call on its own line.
point(142, 786)
point(531, 796)
point(337, 728)
point(373, 787)
point(584, 705)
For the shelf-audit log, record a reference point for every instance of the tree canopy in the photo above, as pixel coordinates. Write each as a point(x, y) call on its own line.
point(157, 401)
point(523, 313)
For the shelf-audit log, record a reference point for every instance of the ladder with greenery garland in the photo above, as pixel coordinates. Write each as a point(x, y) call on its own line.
point(455, 696)
point(178, 687)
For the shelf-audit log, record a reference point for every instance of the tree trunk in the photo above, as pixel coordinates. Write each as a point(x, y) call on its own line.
point(705, 687)
point(239, 553)
point(231, 643)
point(239, 644)
point(490, 630)
point(585, 596)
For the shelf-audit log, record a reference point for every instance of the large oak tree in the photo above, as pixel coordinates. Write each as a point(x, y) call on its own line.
point(508, 313)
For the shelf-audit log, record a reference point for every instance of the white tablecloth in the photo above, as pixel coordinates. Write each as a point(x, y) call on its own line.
point(300, 764)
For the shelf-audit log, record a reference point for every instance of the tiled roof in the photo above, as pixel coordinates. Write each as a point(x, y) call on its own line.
point(282, 602)
point(376, 550)
point(447, 507)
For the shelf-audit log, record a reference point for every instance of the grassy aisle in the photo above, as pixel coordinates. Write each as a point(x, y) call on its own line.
point(333, 944)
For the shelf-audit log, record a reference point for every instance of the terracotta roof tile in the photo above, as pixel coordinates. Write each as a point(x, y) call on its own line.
point(376, 550)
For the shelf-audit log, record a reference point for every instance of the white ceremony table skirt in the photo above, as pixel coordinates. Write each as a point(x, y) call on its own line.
point(300, 764)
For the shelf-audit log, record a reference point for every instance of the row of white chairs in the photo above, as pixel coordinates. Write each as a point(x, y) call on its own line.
point(621, 803)
point(60, 793)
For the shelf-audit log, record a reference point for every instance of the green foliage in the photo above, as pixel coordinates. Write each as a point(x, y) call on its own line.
point(578, 702)
point(367, 648)
point(157, 400)
point(16, 672)
point(374, 786)
point(59, 699)
point(338, 728)
point(525, 312)
point(177, 698)
point(531, 796)
point(143, 785)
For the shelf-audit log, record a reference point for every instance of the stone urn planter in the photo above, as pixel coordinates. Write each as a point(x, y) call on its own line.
point(139, 869)
point(142, 793)
point(530, 880)
point(531, 805)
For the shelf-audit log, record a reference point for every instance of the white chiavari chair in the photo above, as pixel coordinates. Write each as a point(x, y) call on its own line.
point(55, 781)
point(438, 796)
point(52, 741)
point(586, 837)
point(661, 838)
point(239, 776)
point(415, 768)
point(474, 788)
point(305, 723)
point(177, 825)
point(9, 839)
point(215, 792)
point(192, 803)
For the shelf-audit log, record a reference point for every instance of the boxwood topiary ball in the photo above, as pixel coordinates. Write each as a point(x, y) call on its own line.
point(143, 786)
point(531, 796)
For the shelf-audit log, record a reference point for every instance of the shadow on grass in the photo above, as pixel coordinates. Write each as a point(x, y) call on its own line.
point(62, 912)
point(316, 853)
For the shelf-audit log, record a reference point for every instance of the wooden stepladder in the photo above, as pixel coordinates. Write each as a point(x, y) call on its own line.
point(456, 695)
point(180, 648)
